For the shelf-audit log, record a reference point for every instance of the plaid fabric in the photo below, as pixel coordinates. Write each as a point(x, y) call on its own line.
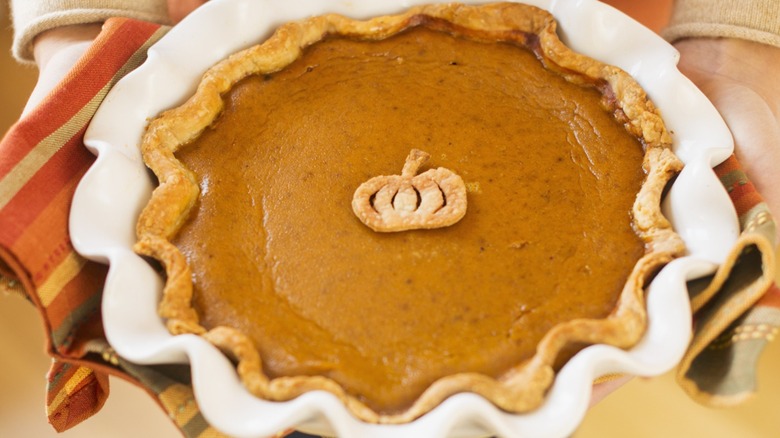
point(42, 159)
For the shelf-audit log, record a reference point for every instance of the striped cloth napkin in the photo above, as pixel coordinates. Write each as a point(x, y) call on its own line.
point(42, 159)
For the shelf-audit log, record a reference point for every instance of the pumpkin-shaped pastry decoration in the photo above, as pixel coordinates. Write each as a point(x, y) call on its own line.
point(435, 198)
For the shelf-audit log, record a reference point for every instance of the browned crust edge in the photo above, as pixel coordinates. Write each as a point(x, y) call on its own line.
point(523, 387)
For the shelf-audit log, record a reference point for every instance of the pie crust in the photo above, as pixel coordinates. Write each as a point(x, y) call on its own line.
point(390, 203)
point(523, 387)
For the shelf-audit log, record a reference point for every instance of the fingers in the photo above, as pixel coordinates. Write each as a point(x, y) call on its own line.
point(606, 387)
point(736, 76)
point(56, 51)
point(178, 9)
point(755, 129)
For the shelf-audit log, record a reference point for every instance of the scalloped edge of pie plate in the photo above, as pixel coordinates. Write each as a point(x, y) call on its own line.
point(115, 189)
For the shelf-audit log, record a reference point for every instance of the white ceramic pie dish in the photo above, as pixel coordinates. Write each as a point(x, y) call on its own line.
point(111, 195)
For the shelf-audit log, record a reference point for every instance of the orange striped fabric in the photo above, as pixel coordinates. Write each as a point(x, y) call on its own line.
point(42, 159)
point(75, 393)
point(737, 311)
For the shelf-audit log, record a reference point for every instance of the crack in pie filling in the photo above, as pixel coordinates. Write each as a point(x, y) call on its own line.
point(555, 167)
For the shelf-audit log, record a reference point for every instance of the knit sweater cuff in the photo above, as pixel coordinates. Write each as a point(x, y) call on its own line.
point(754, 20)
point(30, 18)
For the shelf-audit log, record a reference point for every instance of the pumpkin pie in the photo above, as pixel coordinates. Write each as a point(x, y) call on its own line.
point(400, 209)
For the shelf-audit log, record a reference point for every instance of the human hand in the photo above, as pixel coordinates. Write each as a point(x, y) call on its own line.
point(602, 389)
point(738, 76)
point(178, 9)
point(57, 50)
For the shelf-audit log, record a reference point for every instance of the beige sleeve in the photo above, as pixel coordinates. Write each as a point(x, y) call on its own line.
point(755, 20)
point(31, 17)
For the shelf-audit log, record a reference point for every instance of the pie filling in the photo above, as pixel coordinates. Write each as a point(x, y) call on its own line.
point(277, 252)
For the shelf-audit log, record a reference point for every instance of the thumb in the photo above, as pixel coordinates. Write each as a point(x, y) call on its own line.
point(178, 9)
point(755, 129)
